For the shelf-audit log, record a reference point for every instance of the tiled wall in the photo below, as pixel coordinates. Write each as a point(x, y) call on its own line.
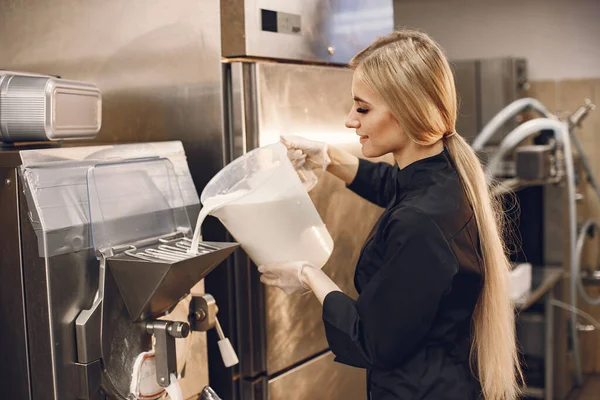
point(565, 97)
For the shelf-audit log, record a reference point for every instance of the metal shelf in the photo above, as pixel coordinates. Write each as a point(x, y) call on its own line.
point(535, 392)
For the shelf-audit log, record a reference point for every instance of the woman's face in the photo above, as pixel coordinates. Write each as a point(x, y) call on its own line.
point(378, 129)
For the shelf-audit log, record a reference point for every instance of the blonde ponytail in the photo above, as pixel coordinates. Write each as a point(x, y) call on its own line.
point(410, 73)
point(494, 354)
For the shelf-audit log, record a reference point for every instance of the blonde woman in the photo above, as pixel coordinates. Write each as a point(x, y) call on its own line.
point(433, 319)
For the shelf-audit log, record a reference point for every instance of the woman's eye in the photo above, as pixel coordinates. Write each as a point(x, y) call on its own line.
point(362, 110)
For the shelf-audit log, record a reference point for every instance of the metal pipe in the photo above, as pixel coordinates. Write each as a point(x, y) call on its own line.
point(580, 114)
point(586, 165)
point(574, 121)
point(587, 225)
point(510, 111)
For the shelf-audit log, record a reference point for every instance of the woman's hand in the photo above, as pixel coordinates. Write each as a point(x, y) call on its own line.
point(286, 276)
point(298, 277)
point(303, 152)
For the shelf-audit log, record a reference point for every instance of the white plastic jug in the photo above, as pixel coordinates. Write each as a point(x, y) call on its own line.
point(264, 205)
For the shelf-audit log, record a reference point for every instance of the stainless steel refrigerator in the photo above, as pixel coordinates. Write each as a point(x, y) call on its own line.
point(281, 338)
point(287, 75)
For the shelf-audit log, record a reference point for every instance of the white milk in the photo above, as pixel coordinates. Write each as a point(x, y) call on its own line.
point(278, 230)
point(273, 219)
point(208, 206)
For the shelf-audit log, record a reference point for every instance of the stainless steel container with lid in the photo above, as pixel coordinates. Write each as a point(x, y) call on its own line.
point(43, 108)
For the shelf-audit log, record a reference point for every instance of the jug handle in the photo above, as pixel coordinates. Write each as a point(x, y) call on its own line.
point(307, 177)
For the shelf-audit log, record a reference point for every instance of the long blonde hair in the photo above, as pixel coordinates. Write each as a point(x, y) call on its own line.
point(410, 72)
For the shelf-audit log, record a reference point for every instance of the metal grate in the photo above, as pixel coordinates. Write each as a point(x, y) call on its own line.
point(169, 251)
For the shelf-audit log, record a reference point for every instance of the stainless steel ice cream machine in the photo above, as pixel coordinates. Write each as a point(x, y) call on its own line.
point(100, 293)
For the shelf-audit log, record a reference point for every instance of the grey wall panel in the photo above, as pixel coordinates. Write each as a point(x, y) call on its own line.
point(467, 89)
point(484, 87)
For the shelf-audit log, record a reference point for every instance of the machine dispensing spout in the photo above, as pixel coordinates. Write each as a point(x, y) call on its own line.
point(209, 394)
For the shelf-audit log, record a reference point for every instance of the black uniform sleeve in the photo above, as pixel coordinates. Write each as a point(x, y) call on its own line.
point(397, 307)
point(375, 182)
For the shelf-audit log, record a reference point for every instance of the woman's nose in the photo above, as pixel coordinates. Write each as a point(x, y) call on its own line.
point(352, 122)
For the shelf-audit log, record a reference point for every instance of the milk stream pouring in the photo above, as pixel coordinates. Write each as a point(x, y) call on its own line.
point(209, 206)
point(265, 207)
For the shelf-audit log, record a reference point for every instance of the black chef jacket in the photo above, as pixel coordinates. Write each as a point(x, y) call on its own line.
point(418, 279)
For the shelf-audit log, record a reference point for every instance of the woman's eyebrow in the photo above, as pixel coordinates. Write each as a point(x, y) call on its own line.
point(358, 99)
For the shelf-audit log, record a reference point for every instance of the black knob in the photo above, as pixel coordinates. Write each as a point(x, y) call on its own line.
point(179, 330)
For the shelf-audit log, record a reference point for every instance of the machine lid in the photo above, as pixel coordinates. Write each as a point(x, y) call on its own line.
point(134, 200)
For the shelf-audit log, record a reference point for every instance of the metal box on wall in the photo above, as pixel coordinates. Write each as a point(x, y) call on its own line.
point(485, 87)
point(307, 30)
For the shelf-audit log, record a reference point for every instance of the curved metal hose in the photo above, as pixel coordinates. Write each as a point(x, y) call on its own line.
point(508, 112)
point(587, 225)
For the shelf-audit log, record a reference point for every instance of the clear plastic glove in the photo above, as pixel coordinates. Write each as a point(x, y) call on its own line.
point(286, 276)
point(306, 153)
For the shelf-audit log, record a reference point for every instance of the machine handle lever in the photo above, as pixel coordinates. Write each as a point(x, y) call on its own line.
point(165, 333)
point(203, 314)
point(227, 352)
